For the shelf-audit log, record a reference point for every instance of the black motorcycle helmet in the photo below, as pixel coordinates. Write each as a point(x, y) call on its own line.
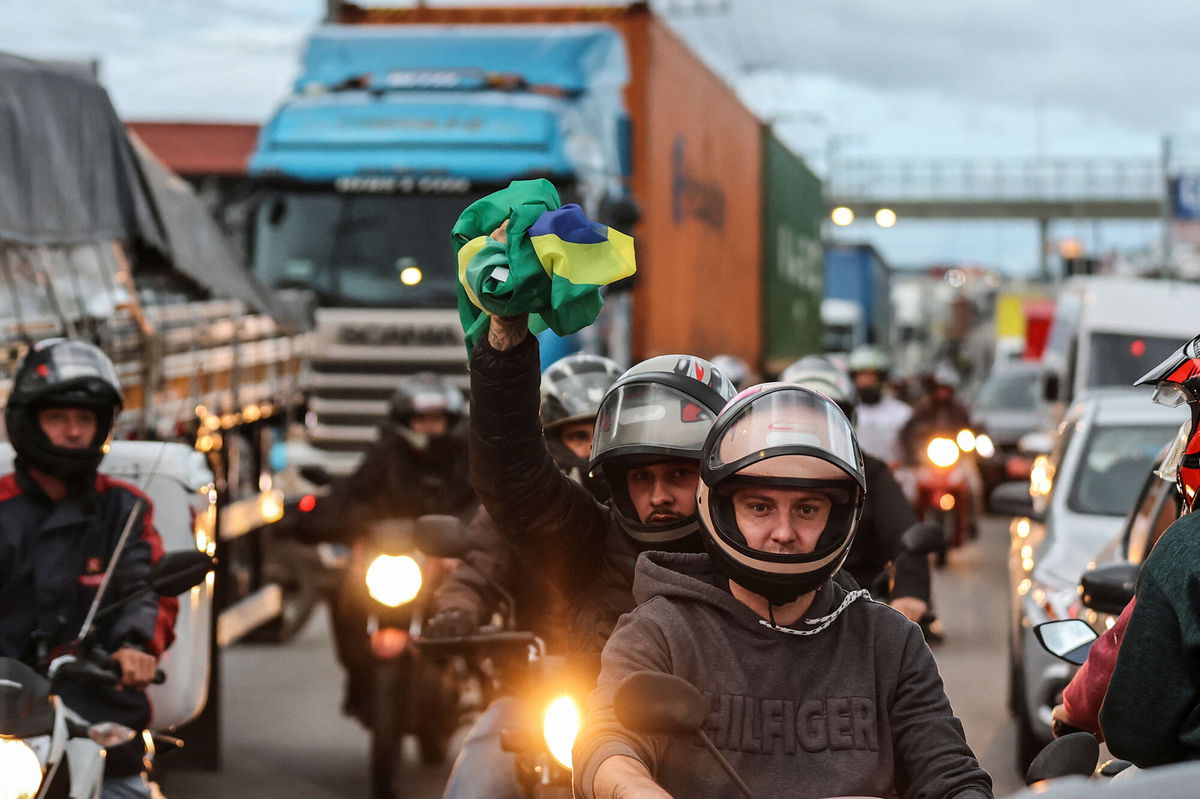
point(660, 409)
point(780, 435)
point(62, 373)
point(572, 389)
point(421, 393)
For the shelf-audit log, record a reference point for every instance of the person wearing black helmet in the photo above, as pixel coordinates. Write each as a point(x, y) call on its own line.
point(417, 466)
point(887, 513)
point(60, 521)
point(649, 429)
point(812, 690)
point(491, 573)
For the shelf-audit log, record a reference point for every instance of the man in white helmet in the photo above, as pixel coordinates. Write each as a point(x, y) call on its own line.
point(880, 417)
point(813, 691)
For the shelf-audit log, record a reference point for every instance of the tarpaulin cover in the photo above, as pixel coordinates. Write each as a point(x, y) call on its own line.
point(70, 175)
point(67, 172)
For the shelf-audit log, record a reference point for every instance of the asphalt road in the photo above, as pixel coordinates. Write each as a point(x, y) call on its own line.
point(285, 738)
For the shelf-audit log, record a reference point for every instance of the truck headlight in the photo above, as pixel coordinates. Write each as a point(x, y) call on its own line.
point(942, 452)
point(393, 580)
point(560, 725)
point(21, 770)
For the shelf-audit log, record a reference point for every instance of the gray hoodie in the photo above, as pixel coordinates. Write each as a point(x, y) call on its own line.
point(853, 705)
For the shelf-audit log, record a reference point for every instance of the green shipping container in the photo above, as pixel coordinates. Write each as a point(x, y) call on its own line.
point(794, 264)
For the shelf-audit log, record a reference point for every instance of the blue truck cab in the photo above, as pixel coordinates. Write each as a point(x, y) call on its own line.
point(389, 133)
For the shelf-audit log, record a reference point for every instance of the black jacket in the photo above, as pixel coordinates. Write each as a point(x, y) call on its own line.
point(847, 701)
point(552, 522)
point(392, 481)
point(886, 516)
point(1151, 712)
point(491, 561)
point(52, 558)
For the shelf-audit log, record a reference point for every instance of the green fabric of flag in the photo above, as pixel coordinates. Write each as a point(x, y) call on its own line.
point(551, 267)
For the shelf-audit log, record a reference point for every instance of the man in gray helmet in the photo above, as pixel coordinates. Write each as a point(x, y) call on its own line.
point(812, 690)
point(649, 430)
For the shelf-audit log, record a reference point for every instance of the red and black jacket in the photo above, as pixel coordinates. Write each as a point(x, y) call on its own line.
point(52, 558)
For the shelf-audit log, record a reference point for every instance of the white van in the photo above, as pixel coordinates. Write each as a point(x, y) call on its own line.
point(1109, 331)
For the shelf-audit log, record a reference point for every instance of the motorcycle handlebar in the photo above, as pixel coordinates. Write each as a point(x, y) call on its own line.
point(485, 639)
point(97, 672)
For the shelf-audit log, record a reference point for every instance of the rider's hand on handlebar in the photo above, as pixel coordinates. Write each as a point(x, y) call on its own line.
point(1062, 724)
point(912, 608)
point(450, 623)
point(137, 667)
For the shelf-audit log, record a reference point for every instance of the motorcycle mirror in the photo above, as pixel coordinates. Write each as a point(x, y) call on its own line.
point(923, 538)
point(176, 572)
point(653, 703)
point(1067, 639)
point(1076, 753)
point(1013, 499)
point(441, 536)
point(1109, 588)
point(316, 474)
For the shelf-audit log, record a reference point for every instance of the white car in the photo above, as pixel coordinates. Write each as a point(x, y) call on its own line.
point(1080, 495)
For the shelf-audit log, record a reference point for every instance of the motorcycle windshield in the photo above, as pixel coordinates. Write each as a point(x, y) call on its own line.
point(25, 706)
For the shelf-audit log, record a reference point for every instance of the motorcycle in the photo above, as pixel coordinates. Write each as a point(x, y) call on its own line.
point(390, 579)
point(919, 541)
point(1074, 751)
point(515, 663)
point(47, 750)
point(944, 492)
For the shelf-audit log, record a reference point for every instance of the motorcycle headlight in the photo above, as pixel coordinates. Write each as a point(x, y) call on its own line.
point(966, 440)
point(20, 770)
point(560, 725)
point(984, 445)
point(942, 452)
point(393, 580)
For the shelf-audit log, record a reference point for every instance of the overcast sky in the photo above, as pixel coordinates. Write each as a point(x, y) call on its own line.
point(855, 77)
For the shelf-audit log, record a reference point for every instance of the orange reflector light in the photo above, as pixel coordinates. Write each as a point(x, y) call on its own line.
point(946, 502)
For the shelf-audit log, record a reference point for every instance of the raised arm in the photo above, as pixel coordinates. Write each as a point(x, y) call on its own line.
point(540, 511)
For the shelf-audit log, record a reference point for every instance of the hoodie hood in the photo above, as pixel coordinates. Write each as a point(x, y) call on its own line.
point(693, 577)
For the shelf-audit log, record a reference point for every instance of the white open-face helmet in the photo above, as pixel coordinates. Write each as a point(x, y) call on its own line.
point(780, 435)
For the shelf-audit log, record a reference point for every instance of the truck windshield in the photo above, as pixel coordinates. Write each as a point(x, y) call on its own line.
point(1114, 466)
point(1118, 359)
point(360, 250)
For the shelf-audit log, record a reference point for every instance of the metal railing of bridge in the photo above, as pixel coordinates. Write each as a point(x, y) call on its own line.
point(1003, 180)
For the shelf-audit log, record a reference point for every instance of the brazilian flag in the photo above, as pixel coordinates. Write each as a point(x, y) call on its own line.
point(552, 266)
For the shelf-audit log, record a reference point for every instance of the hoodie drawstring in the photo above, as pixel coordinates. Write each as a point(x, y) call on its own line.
point(823, 621)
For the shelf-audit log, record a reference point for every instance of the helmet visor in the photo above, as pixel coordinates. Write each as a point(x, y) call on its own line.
point(788, 435)
point(1173, 457)
point(650, 419)
point(66, 361)
point(578, 395)
point(1172, 395)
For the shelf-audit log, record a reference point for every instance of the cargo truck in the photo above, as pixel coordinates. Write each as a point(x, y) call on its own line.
point(99, 241)
point(857, 306)
point(402, 116)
